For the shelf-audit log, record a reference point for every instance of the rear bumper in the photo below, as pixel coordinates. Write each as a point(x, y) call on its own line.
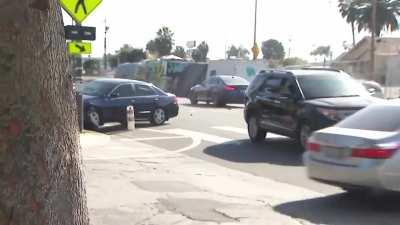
point(377, 177)
point(233, 97)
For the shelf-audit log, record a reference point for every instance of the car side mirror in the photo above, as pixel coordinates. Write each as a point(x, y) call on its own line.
point(371, 90)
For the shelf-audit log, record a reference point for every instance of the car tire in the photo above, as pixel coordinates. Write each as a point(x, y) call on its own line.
point(256, 134)
point(193, 99)
point(158, 117)
point(305, 132)
point(95, 120)
point(217, 101)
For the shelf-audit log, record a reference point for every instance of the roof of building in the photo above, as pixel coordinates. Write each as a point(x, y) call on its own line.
point(361, 52)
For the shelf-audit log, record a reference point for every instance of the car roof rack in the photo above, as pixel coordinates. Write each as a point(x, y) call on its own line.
point(317, 68)
point(279, 71)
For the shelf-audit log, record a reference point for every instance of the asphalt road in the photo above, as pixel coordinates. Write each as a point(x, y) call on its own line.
point(219, 135)
point(224, 141)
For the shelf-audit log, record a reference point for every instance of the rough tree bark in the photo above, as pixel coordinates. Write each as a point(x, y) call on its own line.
point(41, 180)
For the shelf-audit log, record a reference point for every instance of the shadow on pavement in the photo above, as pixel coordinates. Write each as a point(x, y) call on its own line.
point(212, 106)
point(280, 151)
point(346, 209)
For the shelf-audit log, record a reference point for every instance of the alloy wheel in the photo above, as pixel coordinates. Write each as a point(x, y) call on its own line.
point(159, 116)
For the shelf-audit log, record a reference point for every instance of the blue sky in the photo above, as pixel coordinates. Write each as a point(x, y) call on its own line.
point(221, 23)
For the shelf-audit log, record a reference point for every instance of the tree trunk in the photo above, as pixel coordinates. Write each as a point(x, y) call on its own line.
point(41, 176)
point(354, 34)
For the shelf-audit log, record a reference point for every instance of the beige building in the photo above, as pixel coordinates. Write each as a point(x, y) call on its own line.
point(357, 60)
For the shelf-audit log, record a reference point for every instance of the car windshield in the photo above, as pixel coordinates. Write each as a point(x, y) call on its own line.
point(98, 88)
point(234, 80)
point(374, 118)
point(330, 86)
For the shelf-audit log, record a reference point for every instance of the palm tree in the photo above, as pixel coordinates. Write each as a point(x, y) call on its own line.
point(360, 12)
point(350, 13)
point(387, 12)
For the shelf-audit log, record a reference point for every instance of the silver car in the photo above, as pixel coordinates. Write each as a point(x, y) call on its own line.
point(361, 151)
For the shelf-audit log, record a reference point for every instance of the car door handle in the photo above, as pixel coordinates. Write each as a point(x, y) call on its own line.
point(156, 99)
point(133, 101)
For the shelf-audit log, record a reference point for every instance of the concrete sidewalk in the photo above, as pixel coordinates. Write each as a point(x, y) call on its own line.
point(133, 183)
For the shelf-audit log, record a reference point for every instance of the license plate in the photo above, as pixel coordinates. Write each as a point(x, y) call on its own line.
point(335, 153)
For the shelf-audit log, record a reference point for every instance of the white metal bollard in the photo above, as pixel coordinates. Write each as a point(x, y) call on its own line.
point(130, 117)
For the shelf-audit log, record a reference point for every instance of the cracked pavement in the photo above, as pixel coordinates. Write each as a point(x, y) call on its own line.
point(178, 189)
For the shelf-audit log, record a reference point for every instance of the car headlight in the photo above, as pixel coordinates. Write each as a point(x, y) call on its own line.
point(335, 115)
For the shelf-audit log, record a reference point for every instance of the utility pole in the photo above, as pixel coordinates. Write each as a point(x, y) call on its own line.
point(255, 49)
point(373, 34)
point(106, 28)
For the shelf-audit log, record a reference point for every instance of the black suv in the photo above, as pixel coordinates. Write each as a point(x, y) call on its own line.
point(295, 103)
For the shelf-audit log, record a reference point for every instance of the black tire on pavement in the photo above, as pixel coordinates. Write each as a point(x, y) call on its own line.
point(217, 101)
point(193, 99)
point(158, 117)
point(256, 134)
point(95, 120)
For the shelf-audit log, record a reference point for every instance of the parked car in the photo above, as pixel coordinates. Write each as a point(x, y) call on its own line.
point(295, 103)
point(106, 100)
point(220, 90)
point(362, 151)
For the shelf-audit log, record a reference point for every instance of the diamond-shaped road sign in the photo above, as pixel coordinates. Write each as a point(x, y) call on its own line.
point(79, 48)
point(79, 10)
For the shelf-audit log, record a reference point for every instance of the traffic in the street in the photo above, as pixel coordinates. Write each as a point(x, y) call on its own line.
point(200, 112)
point(318, 129)
point(219, 135)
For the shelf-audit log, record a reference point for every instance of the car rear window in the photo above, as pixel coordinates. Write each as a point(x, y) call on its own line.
point(330, 86)
point(98, 88)
point(234, 80)
point(375, 118)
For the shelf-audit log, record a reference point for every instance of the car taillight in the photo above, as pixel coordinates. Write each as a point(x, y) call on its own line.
point(373, 153)
point(313, 147)
point(229, 88)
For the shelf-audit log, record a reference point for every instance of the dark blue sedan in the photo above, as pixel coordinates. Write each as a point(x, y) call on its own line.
point(106, 100)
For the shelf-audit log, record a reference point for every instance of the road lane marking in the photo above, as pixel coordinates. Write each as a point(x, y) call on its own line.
point(197, 138)
point(195, 134)
point(244, 131)
point(195, 143)
point(232, 129)
point(153, 138)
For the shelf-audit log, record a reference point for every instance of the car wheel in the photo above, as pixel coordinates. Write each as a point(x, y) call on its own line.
point(305, 133)
point(94, 118)
point(193, 99)
point(217, 101)
point(256, 134)
point(159, 116)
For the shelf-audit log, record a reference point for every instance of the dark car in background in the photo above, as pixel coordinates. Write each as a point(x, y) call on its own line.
point(220, 90)
point(297, 102)
point(106, 100)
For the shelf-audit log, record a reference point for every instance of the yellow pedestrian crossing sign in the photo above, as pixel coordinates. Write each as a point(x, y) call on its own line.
point(79, 48)
point(255, 50)
point(79, 10)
